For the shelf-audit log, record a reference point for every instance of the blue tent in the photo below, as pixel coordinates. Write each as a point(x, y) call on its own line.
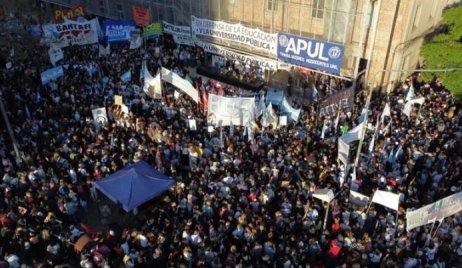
point(134, 185)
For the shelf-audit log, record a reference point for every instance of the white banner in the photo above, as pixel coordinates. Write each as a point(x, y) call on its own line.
point(386, 199)
point(438, 210)
point(254, 38)
point(177, 81)
point(325, 195)
point(358, 199)
point(343, 151)
point(100, 115)
point(176, 29)
point(183, 40)
point(71, 33)
point(219, 50)
point(237, 110)
point(56, 54)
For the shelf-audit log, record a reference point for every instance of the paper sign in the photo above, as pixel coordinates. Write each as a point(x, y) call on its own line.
point(124, 109)
point(210, 129)
point(192, 124)
point(118, 100)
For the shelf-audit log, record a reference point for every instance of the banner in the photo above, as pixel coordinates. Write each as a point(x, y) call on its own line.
point(100, 115)
point(56, 54)
point(358, 199)
point(154, 29)
point(438, 210)
point(340, 100)
point(275, 97)
point(141, 15)
point(51, 74)
point(254, 38)
point(176, 30)
point(310, 53)
point(386, 199)
point(70, 13)
point(183, 40)
point(293, 113)
point(219, 50)
point(118, 30)
point(177, 81)
point(325, 195)
point(71, 33)
point(237, 110)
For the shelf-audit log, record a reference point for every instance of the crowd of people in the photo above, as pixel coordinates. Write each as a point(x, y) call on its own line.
point(237, 202)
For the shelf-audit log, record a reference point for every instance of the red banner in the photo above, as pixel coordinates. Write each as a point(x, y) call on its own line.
point(141, 15)
point(71, 14)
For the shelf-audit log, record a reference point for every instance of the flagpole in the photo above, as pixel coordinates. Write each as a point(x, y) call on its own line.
point(325, 216)
point(439, 225)
point(364, 127)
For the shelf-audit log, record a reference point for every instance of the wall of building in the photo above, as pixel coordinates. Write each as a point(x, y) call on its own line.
point(400, 29)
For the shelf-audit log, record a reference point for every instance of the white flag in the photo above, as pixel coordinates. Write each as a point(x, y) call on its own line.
point(410, 93)
point(136, 39)
point(386, 112)
point(104, 51)
point(337, 119)
point(386, 199)
point(408, 106)
point(265, 121)
point(261, 106)
point(354, 134)
point(323, 131)
point(152, 85)
point(343, 151)
point(56, 54)
point(376, 132)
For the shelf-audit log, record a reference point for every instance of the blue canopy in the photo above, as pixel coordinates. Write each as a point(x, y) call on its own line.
point(134, 185)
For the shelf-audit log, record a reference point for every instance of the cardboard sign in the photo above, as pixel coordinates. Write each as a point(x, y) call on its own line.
point(141, 15)
point(70, 14)
point(118, 100)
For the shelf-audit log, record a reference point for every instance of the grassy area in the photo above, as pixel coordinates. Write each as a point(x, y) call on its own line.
point(445, 50)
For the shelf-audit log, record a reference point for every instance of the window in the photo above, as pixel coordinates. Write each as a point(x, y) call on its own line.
point(417, 16)
point(318, 9)
point(119, 7)
point(272, 5)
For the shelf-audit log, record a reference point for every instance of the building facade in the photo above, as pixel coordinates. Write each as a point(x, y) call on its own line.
point(385, 34)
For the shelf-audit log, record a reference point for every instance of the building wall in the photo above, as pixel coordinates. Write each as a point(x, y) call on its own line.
point(401, 26)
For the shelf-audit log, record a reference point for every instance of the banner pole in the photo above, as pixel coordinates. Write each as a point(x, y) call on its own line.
point(439, 225)
point(431, 230)
point(325, 216)
point(368, 207)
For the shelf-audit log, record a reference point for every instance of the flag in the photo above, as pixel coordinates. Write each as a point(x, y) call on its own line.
point(204, 99)
point(260, 106)
point(343, 151)
point(376, 132)
point(127, 76)
point(362, 116)
point(337, 119)
point(27, 112)
point(386, 112)
point(189, 79)
point(143, 70)
point(385, 130)
point(152, 85)
point(231, 129)
point(250, 130)
point(398, 152)
point(324, 128)
point(408, 106)
point(353, 135)
point(221, 137)
point(104, 50)
point(314, 93)
point(265, 121)
point(410, 93)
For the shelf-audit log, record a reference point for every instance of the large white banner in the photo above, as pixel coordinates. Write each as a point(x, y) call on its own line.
point(238, 111)
point(177, 81)
point(386, 199)
point(325, 195)
point(71, 33)
point(254, 38)
point(438, 210)
point(219, 50)
point(358, 199)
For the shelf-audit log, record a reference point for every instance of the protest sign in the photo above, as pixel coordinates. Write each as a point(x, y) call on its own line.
point(227, 110)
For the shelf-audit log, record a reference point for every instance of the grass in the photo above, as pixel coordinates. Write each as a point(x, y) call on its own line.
point(445, 51)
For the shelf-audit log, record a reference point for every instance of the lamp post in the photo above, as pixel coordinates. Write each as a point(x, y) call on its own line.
point(368, 101)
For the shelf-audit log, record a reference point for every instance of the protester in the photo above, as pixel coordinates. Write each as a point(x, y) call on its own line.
point(237, 201)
